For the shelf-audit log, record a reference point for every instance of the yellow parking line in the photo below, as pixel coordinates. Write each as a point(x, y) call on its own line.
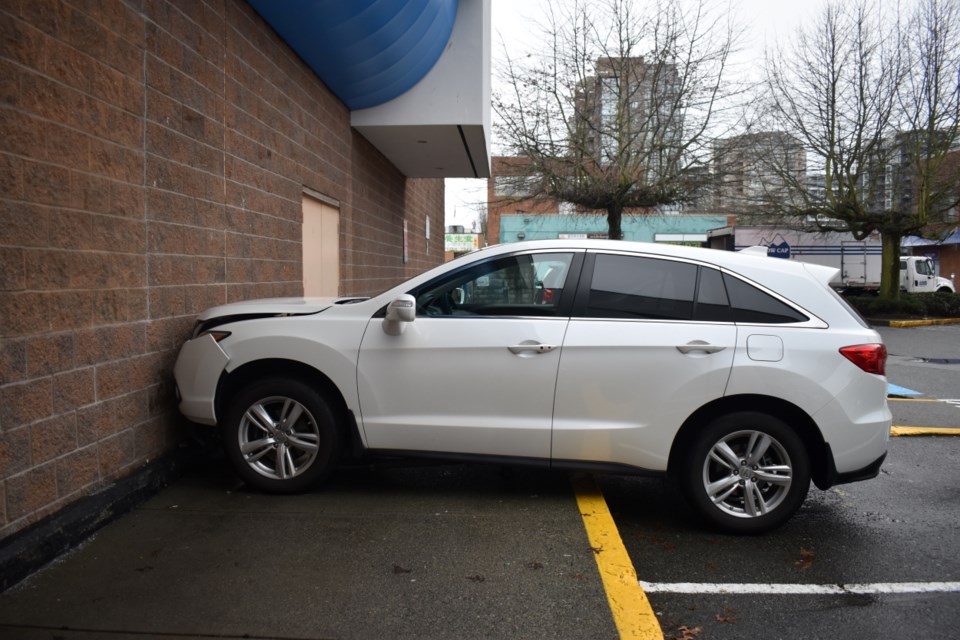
point(925, 431)
point(632, 613)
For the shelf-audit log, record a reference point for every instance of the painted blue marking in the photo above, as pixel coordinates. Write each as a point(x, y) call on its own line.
point(900, 392)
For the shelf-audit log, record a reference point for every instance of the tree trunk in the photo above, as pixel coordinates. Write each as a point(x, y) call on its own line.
point(890, 270)
point(614, 216)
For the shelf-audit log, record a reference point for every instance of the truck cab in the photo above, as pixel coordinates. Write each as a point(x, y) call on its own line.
point(917, 275)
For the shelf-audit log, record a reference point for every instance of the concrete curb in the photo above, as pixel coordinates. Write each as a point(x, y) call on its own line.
point(913, 323)
point(900, 432)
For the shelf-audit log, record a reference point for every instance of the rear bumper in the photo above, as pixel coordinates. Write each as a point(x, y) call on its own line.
point(832, 478)
point(870, 471)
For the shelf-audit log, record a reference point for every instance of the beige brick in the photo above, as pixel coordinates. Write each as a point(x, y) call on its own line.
point(150, 439)
point(23, 224)
point(52, 353)
point(115, 453)
point(125, 376)
point(25, 403)
point(31, 491)
point(169, 334)
point(14, 451)
point(77, 470)
point(71, 309)
point(46, 183)
point(53, 438)
point(89, 425)
point(105, 344)
point(73, 389)
point(23, 313)
point(107, 418)
point(12, 269)
point(13, 360)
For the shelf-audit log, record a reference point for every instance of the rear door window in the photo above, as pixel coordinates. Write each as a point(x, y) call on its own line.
point(641, 288)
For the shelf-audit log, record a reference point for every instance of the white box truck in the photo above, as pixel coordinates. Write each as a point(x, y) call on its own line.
point(859, 261)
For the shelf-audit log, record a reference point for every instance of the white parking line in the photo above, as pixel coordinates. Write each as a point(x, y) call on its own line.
point(876, 588)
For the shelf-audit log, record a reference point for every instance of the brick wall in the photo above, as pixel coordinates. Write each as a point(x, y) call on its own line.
point(498, 206)
point(153, 157)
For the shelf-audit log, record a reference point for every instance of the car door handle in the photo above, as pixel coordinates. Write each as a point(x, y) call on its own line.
point(531, 347)
point(699, 345)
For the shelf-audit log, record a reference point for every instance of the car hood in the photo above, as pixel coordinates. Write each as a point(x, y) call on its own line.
point(272, 306)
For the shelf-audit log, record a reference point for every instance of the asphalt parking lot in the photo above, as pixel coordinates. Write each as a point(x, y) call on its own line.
point(463, 551)
point(397, 552)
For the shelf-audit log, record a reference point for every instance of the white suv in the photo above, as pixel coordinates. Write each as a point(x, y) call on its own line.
point(742, 377)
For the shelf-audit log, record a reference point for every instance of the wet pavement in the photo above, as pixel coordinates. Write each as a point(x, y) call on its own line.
point(417, 552)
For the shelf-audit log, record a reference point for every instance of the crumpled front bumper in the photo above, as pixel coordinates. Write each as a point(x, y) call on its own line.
point(197, 372)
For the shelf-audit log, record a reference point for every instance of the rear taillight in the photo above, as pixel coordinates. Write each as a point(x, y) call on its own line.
point(872, 358)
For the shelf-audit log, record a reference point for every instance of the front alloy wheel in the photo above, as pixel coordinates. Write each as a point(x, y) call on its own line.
point(280, 435)
point(749, 473)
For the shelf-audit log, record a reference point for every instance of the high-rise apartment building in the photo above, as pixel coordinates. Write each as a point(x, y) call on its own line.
point(755, 169)
point(629, 116)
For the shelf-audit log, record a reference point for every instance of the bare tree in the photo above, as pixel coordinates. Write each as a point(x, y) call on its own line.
point(873, 99)
point(614, 112)
point(929, 109)
point(480, 221)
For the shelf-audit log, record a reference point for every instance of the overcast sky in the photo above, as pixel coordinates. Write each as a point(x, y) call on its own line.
point(515, 22)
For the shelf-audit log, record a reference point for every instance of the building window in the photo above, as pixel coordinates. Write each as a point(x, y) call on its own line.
point(514, 186)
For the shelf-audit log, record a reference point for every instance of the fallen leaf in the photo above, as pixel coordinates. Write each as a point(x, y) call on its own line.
point(477, 578)
point(398, 569)
point(534, 565)
point(726, 619)
point(806, 559)
point(688, 633)
point(596, 550)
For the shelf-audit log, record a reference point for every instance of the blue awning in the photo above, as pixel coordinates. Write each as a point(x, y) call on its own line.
point(916, 241)
point(366, 51)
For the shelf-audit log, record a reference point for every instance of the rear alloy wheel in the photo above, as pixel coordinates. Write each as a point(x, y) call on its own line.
point(749, 473)
point(280, 435)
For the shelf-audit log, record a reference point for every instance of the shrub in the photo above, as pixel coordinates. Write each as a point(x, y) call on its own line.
point(922, 305)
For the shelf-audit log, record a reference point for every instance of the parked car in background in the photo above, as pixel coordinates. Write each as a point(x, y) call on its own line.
point(741, 377)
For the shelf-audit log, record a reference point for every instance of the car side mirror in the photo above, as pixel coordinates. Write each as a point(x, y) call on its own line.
point(399, 312)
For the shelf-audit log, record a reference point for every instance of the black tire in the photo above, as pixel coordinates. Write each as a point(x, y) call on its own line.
point(269, 450)
point(747, 473)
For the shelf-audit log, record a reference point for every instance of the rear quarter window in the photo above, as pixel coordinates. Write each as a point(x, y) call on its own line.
point(749, 304)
